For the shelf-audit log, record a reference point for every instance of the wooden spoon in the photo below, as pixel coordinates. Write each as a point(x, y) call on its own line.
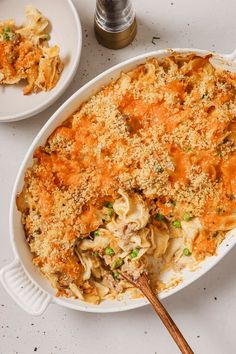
point(143, 284)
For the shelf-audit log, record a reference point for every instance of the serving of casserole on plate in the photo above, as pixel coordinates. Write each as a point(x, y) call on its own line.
point(26, 55)
point(38, 55)
point(136, 174)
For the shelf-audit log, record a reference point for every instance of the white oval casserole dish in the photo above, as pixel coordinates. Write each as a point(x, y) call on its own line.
point(21, 279)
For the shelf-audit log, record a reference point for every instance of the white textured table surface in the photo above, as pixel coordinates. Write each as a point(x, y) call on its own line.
point(206, 310)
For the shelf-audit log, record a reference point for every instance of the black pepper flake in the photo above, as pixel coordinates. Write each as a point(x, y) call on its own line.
point(154, 38)
point(172, 3)
point(32, 324)
point(2, 305)
point(215, 298)
point(198, 336)
point(204, 288)
point(145, 332)
point(35, 349)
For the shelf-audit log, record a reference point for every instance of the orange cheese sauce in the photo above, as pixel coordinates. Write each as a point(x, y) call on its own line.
point(203, 245)
point(182, 165)
point(4, 62)
point(177, 87)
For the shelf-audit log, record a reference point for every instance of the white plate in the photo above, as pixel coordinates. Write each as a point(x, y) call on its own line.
point(21, 279)
point(66, 32)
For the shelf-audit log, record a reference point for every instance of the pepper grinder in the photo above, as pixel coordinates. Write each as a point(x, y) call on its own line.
point(115, 23)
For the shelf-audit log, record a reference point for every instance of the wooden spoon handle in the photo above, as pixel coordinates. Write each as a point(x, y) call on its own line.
point(166, 319)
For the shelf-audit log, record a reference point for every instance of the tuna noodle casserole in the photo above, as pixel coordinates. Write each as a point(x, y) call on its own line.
point(26, 55)
point(141, 177)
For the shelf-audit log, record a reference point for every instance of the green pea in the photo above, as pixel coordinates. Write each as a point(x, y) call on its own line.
point(95, 254)
point(116, 275)
point(109, 251)
point(186, 252)
point(134, 253)
point(176, 224)
point(117, 263)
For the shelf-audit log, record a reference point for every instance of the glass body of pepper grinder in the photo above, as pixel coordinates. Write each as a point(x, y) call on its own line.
point(115, 23)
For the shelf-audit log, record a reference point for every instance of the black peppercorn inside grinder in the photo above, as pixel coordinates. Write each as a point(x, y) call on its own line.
point(115, 24)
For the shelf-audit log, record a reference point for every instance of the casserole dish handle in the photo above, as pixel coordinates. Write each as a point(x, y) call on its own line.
point(27, 294)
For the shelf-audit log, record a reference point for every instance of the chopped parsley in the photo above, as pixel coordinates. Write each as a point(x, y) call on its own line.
point(159, 217)
point(219, 210)
point(7, 34)
point(110, 210)
point(95, 254)
point(6, 37)
point(187, 216)
point(108, 205)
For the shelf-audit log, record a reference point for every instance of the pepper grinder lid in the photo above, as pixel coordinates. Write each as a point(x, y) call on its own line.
point(115, 23)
